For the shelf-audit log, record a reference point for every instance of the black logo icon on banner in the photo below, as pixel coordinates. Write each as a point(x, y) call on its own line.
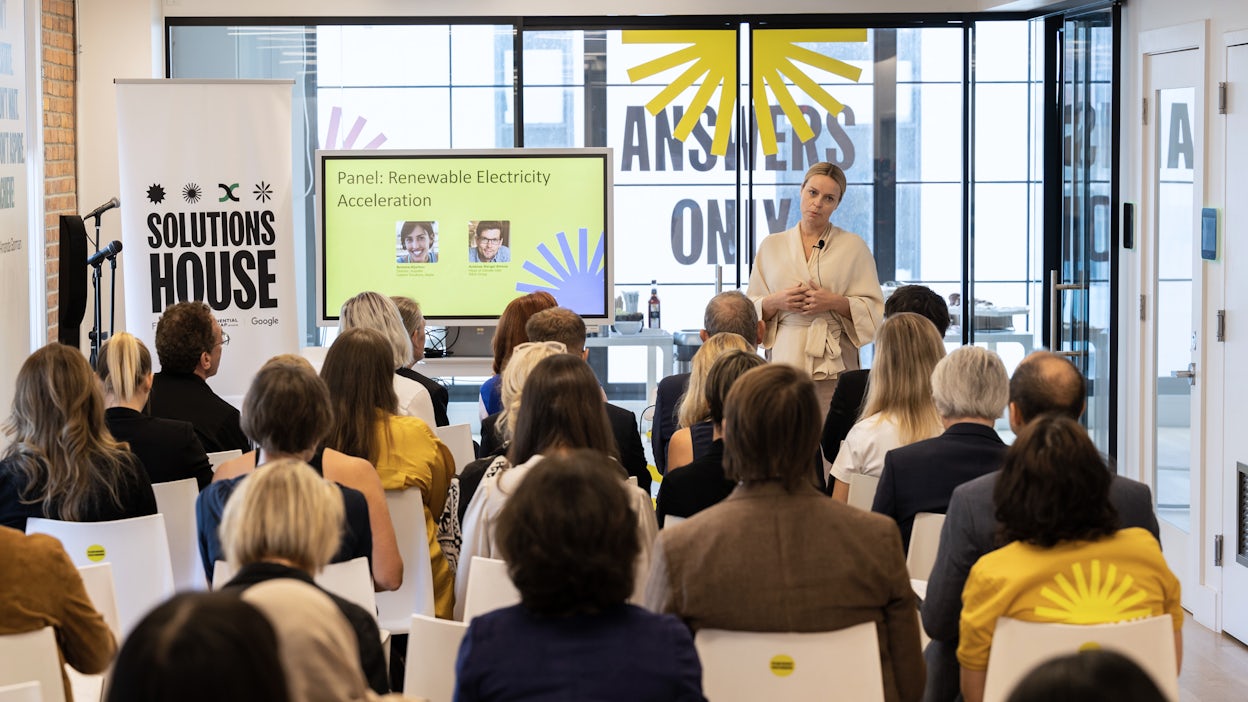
point(156, 194)
point(191, 193)
point(263, 191)
point(229, 192)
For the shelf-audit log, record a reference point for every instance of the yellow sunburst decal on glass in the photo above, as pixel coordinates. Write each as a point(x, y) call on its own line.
point(712, 55)
point(1093, 598)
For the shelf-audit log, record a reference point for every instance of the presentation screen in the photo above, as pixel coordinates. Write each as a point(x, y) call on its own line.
point(465, 232)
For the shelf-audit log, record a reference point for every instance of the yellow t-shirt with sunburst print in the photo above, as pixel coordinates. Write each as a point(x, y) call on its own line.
point(1118, 578)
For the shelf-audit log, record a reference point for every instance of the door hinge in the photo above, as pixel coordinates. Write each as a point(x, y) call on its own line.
point(1221, 325)
point(1222, 98)
point(1143, 303)
point(1144, 112)
point(1217, 550)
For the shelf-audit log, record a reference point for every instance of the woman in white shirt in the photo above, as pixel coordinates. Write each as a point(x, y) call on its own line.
point(371, 310)
point(899, 409)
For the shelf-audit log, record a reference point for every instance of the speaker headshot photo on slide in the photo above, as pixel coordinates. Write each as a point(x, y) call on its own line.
point(489, 241)
point(417, 242)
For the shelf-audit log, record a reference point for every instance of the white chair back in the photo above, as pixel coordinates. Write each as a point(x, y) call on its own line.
point(1018, 647)
point(222, 572)
point(98, 581)
point(176, 500)
point(843, 664)
point(137, 548)
point(33, 657)
point(216, 458)
point(489, 588)
point(22, 692)
point(432, 648)
point(458, 438)
point(862, 490)
point(415, 596)
point(352, 581)
point(924, 542)
point(672, 520)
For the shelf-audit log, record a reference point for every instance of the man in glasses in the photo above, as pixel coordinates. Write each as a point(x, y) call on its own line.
point(489, 244)
point(189, 343)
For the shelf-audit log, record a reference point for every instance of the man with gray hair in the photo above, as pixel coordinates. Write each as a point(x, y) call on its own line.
point(729, 311)
point(970, 389)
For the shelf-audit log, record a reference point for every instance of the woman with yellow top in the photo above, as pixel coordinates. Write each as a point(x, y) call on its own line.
point(404, 449)
point(1065, 560)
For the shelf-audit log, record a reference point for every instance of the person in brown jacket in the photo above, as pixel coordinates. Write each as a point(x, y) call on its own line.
point(39, 587)
point(778, 555)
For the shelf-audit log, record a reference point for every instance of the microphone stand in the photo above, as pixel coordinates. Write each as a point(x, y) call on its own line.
point(95, 334)
point(112, 295)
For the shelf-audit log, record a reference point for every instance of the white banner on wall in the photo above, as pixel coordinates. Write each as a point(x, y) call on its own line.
point(15, 223)
point(206, 213)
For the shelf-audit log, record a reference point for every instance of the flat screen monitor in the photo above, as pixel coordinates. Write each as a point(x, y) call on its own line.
point(465, 232)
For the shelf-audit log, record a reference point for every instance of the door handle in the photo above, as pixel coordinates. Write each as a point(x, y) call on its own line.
point(1190, 374)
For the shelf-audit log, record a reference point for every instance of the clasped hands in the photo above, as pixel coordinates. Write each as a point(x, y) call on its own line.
point(805, 298)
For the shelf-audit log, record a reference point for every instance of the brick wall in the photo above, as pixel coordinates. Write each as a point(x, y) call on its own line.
point(59, 141)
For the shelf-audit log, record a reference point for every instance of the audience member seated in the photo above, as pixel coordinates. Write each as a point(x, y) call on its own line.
point(700, 484)
point(284, 522)
point(1042, 383)
point(62, 463)
point(502, 426)
point(168, 449)
point(1092, 675)
point(287, 412)
point(405, 450)
point(509, 334)
point(414, 324)
point(314, 641)
point(778, 555)
point(970, 389)
point(1059, 527)
point(726, 312)
point(847, 401)
point(565, 326)
point(189, 344)
point(40, 587)
point(693, 438)
point(572, 560)
point(562, 410)
point(374, 311)
point(200, 647)
point(899, 407)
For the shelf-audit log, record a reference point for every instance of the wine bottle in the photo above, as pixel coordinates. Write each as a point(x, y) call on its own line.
point(653, 321)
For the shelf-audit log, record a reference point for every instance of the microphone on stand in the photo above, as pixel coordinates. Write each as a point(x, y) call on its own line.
point(102, 209)
point(108, 253)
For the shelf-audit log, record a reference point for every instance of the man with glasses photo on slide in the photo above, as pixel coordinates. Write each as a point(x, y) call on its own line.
point(489, 245)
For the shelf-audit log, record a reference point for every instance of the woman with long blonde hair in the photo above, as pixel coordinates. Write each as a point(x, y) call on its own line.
point(63, 463)
point(168, 449)
point(694, 437)
point(899, 409)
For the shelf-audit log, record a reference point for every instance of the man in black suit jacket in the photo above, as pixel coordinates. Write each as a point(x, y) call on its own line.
point(188, 344)
point(414, 323)
point(1042, 383)
point(726, 312)
point(564, 325)
point(971, 390)
point(851, 386)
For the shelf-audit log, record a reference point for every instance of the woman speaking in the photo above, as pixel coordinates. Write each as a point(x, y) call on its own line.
point(816, 287)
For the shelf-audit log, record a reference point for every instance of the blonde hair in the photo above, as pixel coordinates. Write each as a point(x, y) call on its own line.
point(907, 349)
point(693, 406)
point(283, 510)
point(523, 359)
point(372, 310)
point(61, 447)
point(123, 365)
point(409, 312)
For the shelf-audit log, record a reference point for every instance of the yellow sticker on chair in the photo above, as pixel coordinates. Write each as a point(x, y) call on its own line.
point(1089, 646)
point(95, 553)
point(782, 665)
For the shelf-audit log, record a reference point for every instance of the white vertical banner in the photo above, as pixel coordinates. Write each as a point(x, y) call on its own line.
point(206, 213)
point(15, 220)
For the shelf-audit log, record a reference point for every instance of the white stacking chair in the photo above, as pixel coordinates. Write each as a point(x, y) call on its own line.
point(176, 501)
point(415, 596)
point(97, 579)
point(22, 692)
point(862, 490)
point(458, 438)
point(747, 665)
point(924, 542)
point(33, 657)
point(216, 458)
point(1018, 647)
point(137, 548)
point(489, 588)
point(351, 580)
point(432, 648)
point(672, 520)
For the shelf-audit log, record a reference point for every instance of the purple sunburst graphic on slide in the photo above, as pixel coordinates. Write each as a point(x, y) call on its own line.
point(575, 281)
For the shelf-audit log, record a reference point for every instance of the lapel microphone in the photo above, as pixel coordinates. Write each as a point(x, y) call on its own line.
point(819, 245)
